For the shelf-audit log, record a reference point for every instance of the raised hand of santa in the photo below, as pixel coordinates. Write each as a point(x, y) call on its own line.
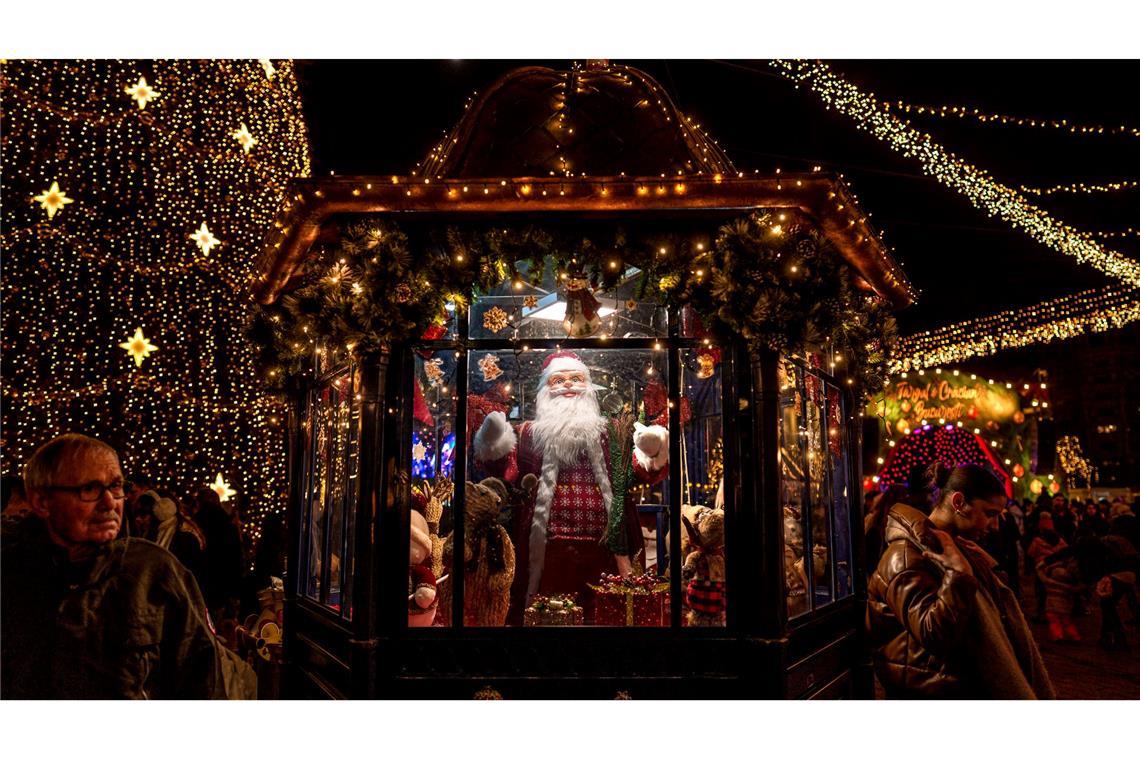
point(651, 446)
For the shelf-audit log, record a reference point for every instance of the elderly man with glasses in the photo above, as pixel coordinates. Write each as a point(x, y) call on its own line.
point(87, 615)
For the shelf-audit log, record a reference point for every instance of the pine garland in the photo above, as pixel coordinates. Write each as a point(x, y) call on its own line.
point(777, 286)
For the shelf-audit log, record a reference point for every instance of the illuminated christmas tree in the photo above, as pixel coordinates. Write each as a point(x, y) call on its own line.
point(136, 198)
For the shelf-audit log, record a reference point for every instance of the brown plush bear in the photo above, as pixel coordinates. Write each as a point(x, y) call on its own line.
point(488, 557)
point(703, 568)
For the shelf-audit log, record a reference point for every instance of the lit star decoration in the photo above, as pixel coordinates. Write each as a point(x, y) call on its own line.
point(419, 451)
point(142, 181)
point(489, 365)
point(978, 186)
point(141, 92)
point(222, 488)
point(52, 199)
point(138, 347)
point(1091, 311)
point(244, 138)
point(267, 66)
point(205, 239)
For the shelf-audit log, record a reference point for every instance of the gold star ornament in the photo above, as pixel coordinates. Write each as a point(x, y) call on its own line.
point(244, 138)
point(222, 488)
point(138, 347)
point(141, 92)
point(52, 199)
point(205, 239)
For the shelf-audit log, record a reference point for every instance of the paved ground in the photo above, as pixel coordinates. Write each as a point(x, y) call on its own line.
point(1082, 670)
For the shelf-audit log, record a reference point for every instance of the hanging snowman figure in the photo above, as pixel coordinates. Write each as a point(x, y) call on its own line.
point(582, 317)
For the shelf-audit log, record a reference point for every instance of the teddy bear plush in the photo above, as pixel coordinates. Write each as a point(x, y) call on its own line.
point(421, 580)
point(488, 556)
point(703, 567)
point(794, 575)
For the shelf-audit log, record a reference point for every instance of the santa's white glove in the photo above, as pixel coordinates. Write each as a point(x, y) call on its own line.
point(495, 438)
point(651, 446)
point(425, 595)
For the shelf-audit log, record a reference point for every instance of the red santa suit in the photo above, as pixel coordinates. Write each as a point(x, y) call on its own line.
point(569, 532)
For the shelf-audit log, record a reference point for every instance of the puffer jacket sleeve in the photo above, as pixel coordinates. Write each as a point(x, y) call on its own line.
point(196, 664)
point(934, 611)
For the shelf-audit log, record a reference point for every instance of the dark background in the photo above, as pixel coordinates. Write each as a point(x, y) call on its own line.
point(383, 116)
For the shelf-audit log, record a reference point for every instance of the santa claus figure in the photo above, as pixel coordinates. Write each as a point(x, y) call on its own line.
point(574, 464)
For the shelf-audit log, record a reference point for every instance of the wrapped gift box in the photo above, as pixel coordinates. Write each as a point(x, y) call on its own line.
point(641, 601)
point(553, 610)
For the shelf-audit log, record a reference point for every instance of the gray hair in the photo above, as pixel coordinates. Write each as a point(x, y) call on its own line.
point(45, 465)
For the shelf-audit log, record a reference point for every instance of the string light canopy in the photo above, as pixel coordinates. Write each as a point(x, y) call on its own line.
point(1091, 311)
point(134, 206)
point(987, 117)
point(950, 444)
point(983, 191)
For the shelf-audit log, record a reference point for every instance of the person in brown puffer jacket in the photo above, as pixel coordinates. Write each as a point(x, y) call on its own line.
point(941, 623)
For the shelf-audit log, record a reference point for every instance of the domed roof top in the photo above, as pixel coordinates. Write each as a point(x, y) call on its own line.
point(601, 120)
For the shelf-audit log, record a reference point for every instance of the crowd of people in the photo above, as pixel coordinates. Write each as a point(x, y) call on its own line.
point(949, 550)
point(113, 587)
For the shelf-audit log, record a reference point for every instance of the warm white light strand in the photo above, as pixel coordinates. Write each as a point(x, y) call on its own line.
point(982, 190)
point(1091, 311)
point(977, 114)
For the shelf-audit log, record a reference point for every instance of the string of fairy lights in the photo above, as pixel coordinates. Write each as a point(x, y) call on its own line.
point(1091, 311)
point(148, 187)
point(989, 117)
point(982, 190)
point(1087, 188)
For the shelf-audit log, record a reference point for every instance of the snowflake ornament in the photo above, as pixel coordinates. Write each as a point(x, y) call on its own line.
point(495, 319)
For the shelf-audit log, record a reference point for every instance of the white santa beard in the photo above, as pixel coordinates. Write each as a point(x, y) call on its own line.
point(564, 428)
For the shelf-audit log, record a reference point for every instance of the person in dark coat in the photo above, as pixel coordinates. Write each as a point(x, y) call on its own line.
point(87, 615)
point(940, 623)
point(223, 555)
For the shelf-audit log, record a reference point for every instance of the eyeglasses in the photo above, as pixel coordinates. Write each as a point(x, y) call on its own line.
point(93, 491)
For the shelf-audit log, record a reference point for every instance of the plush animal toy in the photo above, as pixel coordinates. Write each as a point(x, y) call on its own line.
point(421, 579)
point(488, 556)
point(703, 568)
point(651, 446)
point(428, 499)
point(794, 575)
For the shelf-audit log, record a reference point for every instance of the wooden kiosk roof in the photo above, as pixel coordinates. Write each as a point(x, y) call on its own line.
point(599, 140)
point(311, 203)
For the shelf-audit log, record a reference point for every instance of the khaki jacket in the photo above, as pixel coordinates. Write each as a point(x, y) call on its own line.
point(129, 623)
point(938, 633)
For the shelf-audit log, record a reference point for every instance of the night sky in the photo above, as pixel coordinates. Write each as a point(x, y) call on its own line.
point(381, 117)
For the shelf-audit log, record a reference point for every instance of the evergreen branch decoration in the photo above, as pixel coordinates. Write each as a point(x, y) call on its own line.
point(779, 286)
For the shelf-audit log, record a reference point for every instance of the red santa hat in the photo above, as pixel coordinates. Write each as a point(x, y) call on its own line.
point(564, 361)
